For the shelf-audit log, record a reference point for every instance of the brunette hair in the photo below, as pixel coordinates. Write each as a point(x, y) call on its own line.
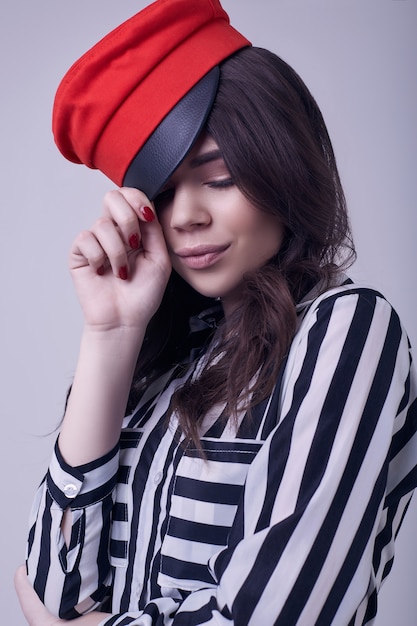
point(276, 146)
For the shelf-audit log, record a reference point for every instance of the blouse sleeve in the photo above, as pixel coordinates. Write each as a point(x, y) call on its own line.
point(72, 580)
point(325, 496)
point(313, 535)
point(323, 500)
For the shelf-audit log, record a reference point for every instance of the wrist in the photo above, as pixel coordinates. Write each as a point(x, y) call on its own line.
point(99, 393)
point(127, 338)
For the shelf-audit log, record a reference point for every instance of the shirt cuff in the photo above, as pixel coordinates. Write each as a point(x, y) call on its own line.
point(84, 485)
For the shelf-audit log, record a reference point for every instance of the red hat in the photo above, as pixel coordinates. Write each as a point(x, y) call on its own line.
point(155, 67)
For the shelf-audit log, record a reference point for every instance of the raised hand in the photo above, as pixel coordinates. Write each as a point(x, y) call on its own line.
point(120, 267)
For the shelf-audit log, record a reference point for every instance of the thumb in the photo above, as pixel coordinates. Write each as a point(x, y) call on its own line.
point(153, 240)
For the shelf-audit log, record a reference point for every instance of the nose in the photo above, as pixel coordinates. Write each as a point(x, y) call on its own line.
point(188, 212)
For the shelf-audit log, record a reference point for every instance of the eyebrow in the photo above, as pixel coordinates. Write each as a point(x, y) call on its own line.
point(206, 157)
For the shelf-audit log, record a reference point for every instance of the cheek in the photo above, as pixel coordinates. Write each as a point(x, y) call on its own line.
point(279, 237)
point(268, 234)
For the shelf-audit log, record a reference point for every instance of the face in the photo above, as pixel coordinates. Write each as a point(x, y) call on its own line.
point(213, 233)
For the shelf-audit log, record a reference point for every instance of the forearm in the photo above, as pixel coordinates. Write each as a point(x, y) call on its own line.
point(120, 287)
point(68, 577)
point(37, 614)
point(99, 393)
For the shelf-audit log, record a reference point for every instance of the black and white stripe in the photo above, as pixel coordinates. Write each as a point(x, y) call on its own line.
point(289, 521)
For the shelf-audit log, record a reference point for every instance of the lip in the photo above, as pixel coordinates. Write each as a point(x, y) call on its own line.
point(201, 256)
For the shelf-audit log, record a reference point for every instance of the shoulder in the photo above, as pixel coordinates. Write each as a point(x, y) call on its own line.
point(350, 345)
point(348, 327)
point(345, 305)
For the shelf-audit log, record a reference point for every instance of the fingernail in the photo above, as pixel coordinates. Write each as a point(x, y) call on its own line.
point(147, 213)
point(123, 272)
point(100, 270)
point(134, 241)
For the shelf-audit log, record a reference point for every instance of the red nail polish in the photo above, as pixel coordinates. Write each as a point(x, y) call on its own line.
point(134, 241)
point(147, 214)
point(100, 270)
point(123, 272)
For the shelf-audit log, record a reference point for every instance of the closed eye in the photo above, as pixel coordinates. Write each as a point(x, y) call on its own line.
point(223, 183)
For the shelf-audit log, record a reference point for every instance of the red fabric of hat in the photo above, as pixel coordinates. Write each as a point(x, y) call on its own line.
point(114, 97)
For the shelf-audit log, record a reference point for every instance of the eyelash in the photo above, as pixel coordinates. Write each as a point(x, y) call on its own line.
point(224, 183)
point(168, 194)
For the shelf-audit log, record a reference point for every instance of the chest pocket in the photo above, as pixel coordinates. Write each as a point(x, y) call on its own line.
point(129, 442)
point(205, 496)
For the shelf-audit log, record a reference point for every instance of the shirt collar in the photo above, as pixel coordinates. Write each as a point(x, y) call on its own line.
point(318, 289)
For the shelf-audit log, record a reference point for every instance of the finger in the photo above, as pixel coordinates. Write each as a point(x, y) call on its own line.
point(141, 204)
point(147, 215)
point(152, 238)
point(87, 251)
point(128, 208)
point(100, 248)
point(113, 246)
point(124, 215)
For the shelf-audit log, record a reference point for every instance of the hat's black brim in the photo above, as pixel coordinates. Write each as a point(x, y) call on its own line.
point(172, 140)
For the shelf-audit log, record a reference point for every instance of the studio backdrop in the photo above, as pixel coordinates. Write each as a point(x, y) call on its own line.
point(359, 59)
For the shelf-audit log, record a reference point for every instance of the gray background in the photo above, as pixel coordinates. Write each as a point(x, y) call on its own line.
point(359, 59)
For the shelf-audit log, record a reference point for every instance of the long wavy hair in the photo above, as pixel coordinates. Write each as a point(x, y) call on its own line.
point(276, 146)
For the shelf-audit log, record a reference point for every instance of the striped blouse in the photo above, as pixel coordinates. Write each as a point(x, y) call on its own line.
point(289, 520)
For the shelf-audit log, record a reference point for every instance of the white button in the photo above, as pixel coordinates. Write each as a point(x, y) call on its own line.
point(70, 490)
point(157, 478)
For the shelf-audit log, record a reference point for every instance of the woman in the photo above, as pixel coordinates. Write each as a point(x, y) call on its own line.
point(265, 460)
